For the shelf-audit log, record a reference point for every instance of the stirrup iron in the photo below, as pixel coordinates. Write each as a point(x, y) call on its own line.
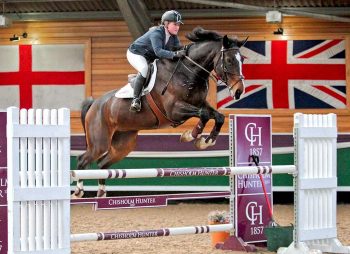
point(135, 105)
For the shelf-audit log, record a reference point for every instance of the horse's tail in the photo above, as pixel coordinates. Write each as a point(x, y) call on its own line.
point(84, 109)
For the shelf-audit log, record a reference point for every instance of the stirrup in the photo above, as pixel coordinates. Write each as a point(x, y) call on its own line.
point(135, 105)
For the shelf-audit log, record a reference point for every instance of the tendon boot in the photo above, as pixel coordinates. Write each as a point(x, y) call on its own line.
point(138, 85)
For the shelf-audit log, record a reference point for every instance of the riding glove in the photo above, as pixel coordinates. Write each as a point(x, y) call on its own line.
point(179, 54)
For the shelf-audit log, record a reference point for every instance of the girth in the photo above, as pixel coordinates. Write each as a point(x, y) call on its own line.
point(163, 120)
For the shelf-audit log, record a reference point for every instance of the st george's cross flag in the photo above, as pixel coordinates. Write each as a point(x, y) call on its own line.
point(291, 75)
point(42, 76)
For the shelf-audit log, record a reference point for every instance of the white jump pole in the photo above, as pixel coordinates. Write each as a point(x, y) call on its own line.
point(151, 233)
point(178, 172)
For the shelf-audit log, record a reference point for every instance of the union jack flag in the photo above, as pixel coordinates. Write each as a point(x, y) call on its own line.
point(291, 74)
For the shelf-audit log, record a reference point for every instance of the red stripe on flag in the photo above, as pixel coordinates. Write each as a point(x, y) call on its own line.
point(229, 98)
point(331, 92)
point(25, 68)
point(251, 88)
point(224, 101)
point(320, 49)
point(58, 78)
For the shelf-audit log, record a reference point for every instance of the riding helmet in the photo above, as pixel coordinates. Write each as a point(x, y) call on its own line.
point(171, 16)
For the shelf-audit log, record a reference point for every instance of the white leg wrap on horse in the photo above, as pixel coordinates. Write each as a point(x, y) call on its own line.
point(201, 144)
point(101, 193)
point(186, 136)
point(79, 190)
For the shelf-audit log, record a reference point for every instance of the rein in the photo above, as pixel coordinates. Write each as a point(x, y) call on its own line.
point(172, 74)
point(211, 75)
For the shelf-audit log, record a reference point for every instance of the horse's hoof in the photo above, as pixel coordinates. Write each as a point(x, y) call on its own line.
point(201, 144)
point(78, 193)
point(187, 136)
point(76, 196)
point(101, 193)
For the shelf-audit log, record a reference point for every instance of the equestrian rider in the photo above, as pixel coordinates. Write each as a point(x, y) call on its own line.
point(154, 44)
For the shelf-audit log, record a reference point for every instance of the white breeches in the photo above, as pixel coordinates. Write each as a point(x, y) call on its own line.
point(138, 62)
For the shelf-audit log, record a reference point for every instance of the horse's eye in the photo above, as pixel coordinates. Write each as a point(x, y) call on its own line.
point(229, 61)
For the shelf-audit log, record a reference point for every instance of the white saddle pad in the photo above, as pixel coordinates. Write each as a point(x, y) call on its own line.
point(128, 92)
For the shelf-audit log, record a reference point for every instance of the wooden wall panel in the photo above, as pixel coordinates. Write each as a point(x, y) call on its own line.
point(110, 39)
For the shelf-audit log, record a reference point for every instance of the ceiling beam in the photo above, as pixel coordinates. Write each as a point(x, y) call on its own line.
point(228, 5)
point(135, 16)
point(42, 1)
point(316, 15)
point(265, 9)
point(108, 15)
point(186, 14)
point(48, 16)
point(141, 11)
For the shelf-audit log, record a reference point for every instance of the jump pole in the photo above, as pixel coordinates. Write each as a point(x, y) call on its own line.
point(150, 233)
point(178, 172)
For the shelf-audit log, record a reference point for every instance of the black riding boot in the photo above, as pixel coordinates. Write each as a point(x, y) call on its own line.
point(138, 85)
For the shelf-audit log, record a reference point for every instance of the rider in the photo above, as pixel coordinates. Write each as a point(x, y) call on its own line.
point(156, 43)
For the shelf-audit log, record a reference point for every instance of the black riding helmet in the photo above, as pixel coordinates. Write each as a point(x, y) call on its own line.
point(171, 16)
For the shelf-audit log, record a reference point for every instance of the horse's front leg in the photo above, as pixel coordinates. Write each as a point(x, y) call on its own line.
point(204, 114)
point(203, 143)
point(188, 111)
point(196, 132)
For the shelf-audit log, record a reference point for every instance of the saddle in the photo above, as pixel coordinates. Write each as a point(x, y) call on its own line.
point(131, 77)
point(127, 91)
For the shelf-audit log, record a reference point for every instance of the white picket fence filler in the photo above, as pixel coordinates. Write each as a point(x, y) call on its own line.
point(38, 195)
point(315, 187)
point(39, 184)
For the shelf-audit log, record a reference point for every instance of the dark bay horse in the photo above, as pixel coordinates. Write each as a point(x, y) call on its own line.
point(179, 93)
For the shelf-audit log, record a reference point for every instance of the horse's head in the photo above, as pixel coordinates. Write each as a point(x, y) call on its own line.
point(228, 66)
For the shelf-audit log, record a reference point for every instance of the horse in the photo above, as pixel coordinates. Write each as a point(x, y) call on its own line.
point(179, 93)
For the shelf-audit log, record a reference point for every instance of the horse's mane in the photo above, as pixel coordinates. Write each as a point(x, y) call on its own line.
point(199, 34)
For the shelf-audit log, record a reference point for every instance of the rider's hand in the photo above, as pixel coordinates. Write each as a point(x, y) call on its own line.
point(179, 54)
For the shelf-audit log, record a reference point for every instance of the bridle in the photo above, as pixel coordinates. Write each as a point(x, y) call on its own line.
point(214, 76)
point(224, 69)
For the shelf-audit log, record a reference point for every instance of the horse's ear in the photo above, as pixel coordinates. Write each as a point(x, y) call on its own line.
point(225, 42)
point(241, 43)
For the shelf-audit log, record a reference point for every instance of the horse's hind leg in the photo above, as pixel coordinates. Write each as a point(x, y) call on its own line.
point(97, 138)
point(83, 161)
point(122, 144)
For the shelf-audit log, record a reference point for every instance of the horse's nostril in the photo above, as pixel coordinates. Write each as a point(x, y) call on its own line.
point(238, 94)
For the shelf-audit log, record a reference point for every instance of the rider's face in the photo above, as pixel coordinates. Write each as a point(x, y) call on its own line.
point(173, 28)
